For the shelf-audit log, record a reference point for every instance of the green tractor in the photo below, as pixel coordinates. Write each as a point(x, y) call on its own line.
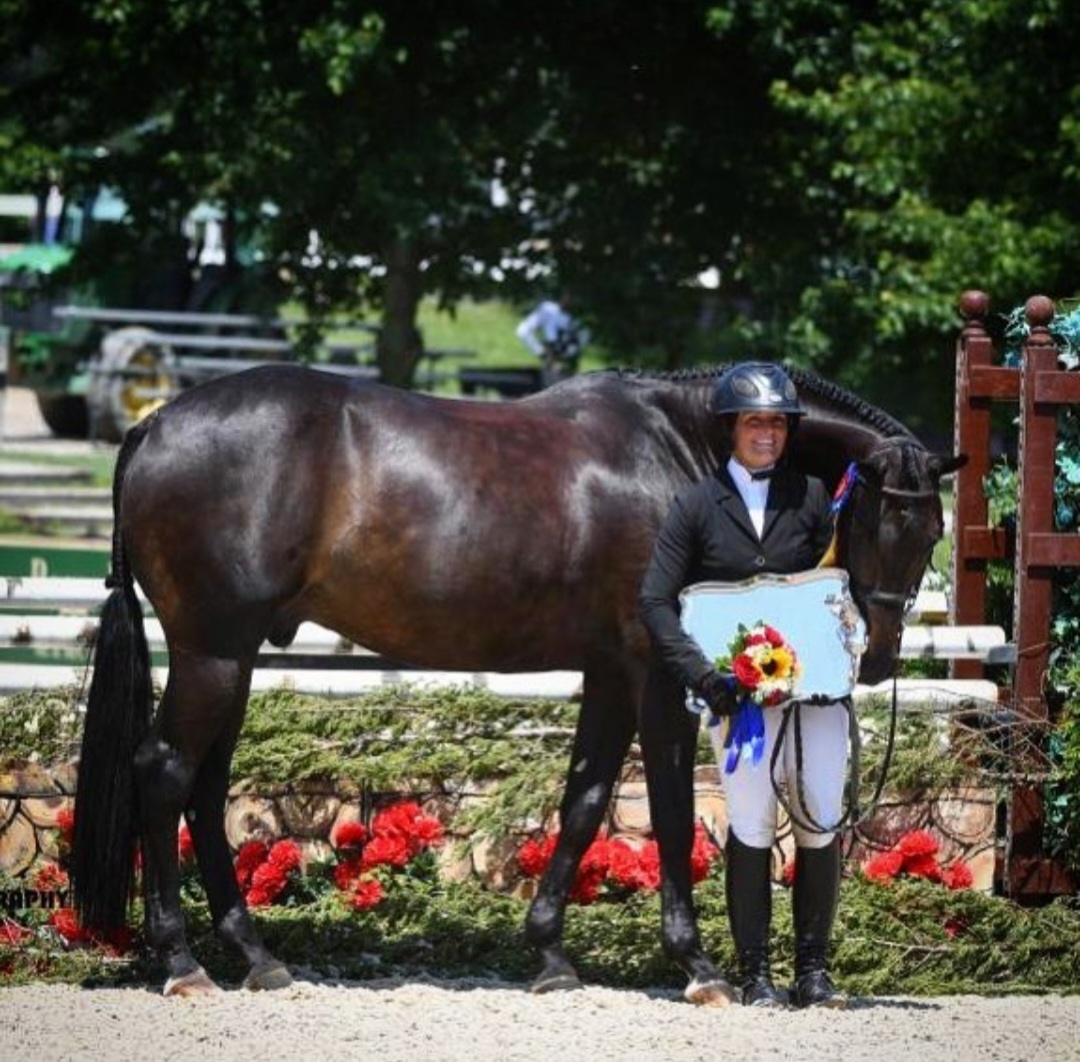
point(85, 257)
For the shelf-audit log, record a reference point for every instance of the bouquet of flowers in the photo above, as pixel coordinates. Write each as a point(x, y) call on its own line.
point(764, 669)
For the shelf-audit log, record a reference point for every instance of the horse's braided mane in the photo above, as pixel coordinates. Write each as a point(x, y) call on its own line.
point(805, 380)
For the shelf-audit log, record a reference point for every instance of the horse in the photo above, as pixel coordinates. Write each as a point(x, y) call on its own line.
point(447, 533)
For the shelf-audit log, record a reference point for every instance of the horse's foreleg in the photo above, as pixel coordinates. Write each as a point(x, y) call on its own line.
point(604, 731)
point(669, 736)
point(205, 815)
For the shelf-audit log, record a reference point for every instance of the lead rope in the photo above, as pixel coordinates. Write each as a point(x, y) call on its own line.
point(853, 814)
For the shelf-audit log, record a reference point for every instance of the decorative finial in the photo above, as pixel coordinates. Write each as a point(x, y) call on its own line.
point(974, 305)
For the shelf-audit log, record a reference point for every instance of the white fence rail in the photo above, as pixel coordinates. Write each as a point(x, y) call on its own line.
point(58, 614)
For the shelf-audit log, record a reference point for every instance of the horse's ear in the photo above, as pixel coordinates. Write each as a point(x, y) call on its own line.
point(946, 464)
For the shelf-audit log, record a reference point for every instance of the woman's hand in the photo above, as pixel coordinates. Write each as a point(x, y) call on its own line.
point(717, 690)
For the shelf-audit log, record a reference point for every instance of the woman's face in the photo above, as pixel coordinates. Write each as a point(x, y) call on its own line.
point(759, 439)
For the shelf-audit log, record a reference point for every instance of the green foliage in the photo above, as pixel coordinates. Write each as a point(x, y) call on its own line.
point(409, 738)
point(41, 728)
point(922, 763)
point(910, 937)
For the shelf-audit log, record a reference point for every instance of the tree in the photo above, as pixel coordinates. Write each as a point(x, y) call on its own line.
point(942, 138)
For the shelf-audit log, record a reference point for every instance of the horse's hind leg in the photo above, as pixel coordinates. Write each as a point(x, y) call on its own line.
point(605, 729)
point(182, 767)
point(205, 815)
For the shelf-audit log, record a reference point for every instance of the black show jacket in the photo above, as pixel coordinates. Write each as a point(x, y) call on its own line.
point(708, 536)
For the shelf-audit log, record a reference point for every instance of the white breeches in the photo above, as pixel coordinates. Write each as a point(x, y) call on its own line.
point(752, 804)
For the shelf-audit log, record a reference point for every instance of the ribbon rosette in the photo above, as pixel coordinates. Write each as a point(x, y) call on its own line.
point(763, 669)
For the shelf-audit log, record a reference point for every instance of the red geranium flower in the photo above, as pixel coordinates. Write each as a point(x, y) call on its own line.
point(702, 855)
point(346, 873)
point(350, 835)
point(66, 923)
point(50, 878)
point(649, 865)
point(12, 934)
point(65, 823)
point(918, 843)
point(251, 854)
point(534, 856)
point(285, 855)
point(884, 866)
point(925, 866)
point(367, 893)
point(386, 849)
point(957, 875)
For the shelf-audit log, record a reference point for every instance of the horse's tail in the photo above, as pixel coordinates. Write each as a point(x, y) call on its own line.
point(118, 713)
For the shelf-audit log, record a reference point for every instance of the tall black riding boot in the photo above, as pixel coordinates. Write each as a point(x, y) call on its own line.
point(749, 902)
point(814, 899)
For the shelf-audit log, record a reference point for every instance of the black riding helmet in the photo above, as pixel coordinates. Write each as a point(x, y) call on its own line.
point(753, 386)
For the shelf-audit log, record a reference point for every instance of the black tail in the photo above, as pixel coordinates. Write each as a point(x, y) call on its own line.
point(118, 714)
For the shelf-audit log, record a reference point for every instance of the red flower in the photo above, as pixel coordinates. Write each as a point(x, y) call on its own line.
point(884, 867)
point(66, 923)
point(65, 823)
point(774, 637)
point(702, 855)
point(386, 850)
point(350, 835)
point(586, 888)
point(649, 865)
point(534, 856)
point(367, 893)
point(407, 821)
point(917, 843)
point(346, 873)
point(625, 866)
point(787, 873)
point(269, 876)
point(925, 866)
point(50, 878)
point(12, 934)
point(251, 854)
point(746, 672)
point(259, 896)
point(957, 875)
point(285, 855)
point(184, 844)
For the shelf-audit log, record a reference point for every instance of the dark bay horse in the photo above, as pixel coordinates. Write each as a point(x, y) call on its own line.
point(450, 534)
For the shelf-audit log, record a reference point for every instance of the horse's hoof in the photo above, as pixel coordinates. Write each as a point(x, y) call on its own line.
point(267, 978)
point(196, 983)
point(555, 979)
point(714, 993)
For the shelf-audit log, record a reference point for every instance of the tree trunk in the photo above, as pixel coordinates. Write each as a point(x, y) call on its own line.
point(400, 345)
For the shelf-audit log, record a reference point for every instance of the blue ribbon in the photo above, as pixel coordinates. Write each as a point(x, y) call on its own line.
point(746, 735)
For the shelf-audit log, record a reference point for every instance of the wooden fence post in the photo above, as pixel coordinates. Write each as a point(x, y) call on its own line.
point(1039, 552)
point(979, 383)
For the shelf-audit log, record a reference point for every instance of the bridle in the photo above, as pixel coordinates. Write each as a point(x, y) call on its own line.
point(898, 600)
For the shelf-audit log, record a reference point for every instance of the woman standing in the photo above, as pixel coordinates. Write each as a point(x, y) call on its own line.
point(755, 515)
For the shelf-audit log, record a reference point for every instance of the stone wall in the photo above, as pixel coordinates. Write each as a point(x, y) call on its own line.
point(32, 797)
